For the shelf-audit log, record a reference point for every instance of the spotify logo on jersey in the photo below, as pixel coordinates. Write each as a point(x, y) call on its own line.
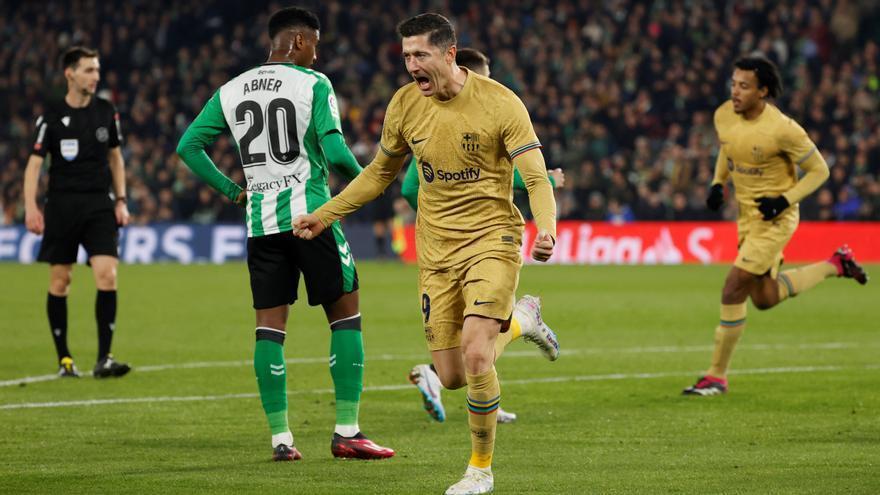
point(427, 172)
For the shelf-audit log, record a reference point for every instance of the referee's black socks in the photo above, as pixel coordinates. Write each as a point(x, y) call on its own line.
point(105, 315)
point(56, 308)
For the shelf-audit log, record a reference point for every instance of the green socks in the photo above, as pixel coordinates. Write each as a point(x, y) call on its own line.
point(347, 370)
point(271, 374)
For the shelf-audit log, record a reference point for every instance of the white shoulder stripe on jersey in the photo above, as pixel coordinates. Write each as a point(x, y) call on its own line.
point(42, 133)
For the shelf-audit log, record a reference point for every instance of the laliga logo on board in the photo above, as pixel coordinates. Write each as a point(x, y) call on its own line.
point(579, 245)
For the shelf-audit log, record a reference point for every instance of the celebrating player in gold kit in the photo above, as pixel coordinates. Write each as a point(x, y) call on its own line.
point(467, 133)
point(760, 149)
point(523, 322)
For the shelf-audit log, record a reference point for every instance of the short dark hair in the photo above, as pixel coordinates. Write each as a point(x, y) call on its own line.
point(292, 17)
point(438, 28)
point(73, 54)
point(766, 72)
point(470, 58)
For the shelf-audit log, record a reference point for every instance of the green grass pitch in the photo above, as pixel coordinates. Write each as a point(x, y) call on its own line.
point(803, 415)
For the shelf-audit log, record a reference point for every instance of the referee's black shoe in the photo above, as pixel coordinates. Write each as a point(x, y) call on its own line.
point(66, 368)
point(109, 367)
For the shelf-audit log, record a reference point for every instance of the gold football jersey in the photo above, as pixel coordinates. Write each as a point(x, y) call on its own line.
point(464, 149)
point(762, 154)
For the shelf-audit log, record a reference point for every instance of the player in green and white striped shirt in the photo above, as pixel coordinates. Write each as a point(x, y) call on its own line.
point(285, 121)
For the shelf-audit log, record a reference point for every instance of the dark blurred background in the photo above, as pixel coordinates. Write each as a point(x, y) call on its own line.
point(621, 92)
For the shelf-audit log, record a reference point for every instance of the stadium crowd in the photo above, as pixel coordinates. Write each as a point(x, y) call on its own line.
point(621, 93)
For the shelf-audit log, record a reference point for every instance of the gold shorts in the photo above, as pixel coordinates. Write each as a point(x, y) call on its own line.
point(483, 286)
point(761, 243)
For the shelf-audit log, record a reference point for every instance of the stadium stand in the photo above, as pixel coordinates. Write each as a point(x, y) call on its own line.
point(622, 93)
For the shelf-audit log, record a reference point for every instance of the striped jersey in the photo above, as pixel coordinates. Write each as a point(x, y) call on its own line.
point(277, 114)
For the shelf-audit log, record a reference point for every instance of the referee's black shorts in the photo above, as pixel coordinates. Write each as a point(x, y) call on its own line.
point(275, 262)
point(78, 218)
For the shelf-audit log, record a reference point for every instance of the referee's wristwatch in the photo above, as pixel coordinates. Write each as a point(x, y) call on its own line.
point(121, 199)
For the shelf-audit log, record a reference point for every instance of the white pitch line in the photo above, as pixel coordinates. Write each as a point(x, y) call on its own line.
point(28, 379)
point(668, 374)
point(385, 388)
point(509, 354)
point(130, 400)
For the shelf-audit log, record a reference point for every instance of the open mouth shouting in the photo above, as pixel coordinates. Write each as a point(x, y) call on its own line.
point(423, 82)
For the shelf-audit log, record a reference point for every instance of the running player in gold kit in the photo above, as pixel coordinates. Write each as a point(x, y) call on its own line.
point(467, 133)
point(761, 148)
point(525, 322)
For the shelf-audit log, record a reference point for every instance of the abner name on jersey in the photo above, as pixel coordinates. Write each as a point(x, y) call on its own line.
point(262, 84)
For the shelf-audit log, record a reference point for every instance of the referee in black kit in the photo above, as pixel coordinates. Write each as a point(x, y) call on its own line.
point(82, 135)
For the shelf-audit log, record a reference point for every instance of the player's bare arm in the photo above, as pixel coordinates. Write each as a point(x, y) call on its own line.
point(117, 171)
point(33, 217)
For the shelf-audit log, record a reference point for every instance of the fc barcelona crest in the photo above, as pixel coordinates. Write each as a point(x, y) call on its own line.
point(470, 142)
point(757, 154)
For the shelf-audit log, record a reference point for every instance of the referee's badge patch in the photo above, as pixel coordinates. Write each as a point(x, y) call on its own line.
point(102, 134)
point(69, 149)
